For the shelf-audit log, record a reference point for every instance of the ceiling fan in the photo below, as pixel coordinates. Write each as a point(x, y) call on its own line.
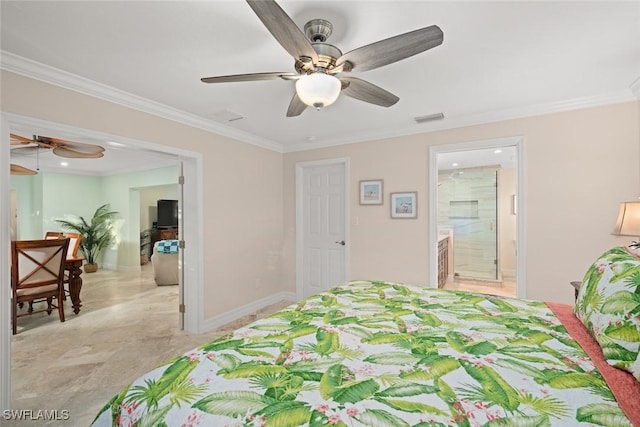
point(320, 66)
point(59, 147)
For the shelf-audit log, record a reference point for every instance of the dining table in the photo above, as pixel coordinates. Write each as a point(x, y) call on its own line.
point(73, 265)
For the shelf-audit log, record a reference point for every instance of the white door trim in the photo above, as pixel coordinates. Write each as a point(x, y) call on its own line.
point(192, 208)
point(191, 225)
point(518, 143)
point(300, 167)
point(5, 273)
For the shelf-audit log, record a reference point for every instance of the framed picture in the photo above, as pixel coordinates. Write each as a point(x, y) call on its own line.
point(371, 192)
point(404, 205)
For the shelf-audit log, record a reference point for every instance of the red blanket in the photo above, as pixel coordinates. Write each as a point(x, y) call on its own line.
point(623, 385)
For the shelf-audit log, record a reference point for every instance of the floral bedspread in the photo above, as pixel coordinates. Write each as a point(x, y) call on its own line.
point(379, 354)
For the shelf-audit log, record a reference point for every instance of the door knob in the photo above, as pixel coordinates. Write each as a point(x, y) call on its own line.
point(341, 243)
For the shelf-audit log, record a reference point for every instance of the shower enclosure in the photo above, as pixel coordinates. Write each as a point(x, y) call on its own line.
point(467, 204)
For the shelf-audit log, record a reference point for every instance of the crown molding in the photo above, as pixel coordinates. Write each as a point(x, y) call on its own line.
point(479, 119)
point(38, 71)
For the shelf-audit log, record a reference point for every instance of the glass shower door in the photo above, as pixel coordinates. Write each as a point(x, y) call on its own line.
point(467, 204)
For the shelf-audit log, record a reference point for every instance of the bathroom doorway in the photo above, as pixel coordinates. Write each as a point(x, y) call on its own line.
point(473, 216)
point(468, 209)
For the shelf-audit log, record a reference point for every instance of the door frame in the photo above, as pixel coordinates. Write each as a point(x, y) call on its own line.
point(513, 141)
point(300, 168)
point(191, 207)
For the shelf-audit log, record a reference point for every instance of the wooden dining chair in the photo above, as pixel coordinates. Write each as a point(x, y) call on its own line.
point(53, 235)
point(72, 252)
point(74, 244)
point(37, 274)
point(49, 235)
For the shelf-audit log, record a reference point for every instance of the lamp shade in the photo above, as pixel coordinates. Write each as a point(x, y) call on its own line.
point(628, 223)
point(318, 89)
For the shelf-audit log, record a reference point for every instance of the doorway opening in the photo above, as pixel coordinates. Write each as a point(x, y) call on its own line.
point(190, 223)
point(474, 223)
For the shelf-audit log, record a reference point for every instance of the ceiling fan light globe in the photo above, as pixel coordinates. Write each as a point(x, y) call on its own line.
point(318, 89)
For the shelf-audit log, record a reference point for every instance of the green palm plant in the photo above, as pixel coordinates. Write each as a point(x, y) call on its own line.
point(96, 235)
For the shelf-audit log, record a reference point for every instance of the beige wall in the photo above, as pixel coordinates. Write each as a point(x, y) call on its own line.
point(578, 166)
point(241, 243)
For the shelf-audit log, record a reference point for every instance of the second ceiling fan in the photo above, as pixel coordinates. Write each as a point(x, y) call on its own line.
point(319, 65)
point(59, 147)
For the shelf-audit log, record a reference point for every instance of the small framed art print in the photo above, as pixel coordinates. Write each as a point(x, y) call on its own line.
point(371, 192)
point(404, 205)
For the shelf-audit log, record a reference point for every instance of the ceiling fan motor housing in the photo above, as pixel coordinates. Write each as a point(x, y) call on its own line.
point(327, 54)
point(318, 30)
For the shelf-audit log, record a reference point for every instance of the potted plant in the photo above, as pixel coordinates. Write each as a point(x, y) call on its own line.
point(96, 235)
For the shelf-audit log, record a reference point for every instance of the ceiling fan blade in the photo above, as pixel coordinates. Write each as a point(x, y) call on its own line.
point(296, 106)
point(27, 151)
point(393, 49)
point(367, 92)
point(73, 154)
point(19, 140)
point(248, 77)
point(90, 150)
point(21, 170)
point(282, 27)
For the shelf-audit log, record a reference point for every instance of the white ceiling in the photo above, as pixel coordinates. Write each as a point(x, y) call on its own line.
point(499, 60)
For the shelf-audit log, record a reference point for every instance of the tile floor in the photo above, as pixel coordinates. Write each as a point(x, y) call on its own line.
point(505, 288)
point(126, 327)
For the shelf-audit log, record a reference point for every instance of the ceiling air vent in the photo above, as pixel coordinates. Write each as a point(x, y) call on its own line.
point(226, 116)
point(429, 118)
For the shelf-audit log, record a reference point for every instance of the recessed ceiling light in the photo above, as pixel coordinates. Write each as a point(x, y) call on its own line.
point(115, 144)
point(64, 164)
point(454, 164)
point(497, 151)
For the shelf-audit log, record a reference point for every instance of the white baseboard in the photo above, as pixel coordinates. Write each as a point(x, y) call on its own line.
point(222, 319)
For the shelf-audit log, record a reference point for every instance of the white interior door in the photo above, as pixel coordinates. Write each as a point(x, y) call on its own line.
point(322, 224)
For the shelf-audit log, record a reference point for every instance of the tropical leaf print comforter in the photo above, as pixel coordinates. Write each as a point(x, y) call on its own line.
point(380, 354)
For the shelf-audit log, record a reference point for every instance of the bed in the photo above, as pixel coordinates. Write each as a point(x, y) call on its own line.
point(372, 353)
